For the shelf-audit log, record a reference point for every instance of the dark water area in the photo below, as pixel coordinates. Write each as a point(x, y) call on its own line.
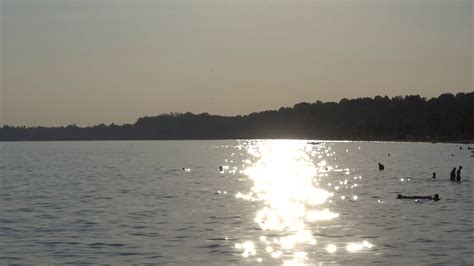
point(275, 202)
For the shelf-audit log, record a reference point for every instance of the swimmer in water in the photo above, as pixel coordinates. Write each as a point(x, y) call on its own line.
point(453, 175)
point(458, 174)
point(434, 175)
point(381, 167)
point(435, 197)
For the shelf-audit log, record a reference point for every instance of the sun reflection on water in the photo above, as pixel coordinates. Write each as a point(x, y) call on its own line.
point(286, 177)
point(283, 178)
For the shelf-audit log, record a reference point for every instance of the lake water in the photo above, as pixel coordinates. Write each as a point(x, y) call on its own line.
point(275, 202)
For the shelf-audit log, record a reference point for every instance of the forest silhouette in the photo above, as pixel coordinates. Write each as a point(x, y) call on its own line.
point(411, 118)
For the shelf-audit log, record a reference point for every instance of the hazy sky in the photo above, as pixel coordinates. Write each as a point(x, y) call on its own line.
point(87, 62)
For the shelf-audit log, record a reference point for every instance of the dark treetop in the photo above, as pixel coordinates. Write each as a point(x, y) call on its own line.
point(445, 118)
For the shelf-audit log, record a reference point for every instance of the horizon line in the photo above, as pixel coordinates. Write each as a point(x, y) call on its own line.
point(230, 116)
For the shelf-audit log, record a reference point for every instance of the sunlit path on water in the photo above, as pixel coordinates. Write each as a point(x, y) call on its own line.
point(286, 177)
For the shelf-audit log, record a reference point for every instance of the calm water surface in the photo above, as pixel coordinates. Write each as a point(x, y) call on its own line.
point(275, 203)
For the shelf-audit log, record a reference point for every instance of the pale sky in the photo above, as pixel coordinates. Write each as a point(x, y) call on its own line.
point(104, 61)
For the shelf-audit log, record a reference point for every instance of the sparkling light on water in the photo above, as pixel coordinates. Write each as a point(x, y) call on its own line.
point(353, 247)
point(291, 183)
point(285, 179)
point(331, 248)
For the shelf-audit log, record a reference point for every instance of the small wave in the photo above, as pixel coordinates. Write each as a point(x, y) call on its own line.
point(100, 244)
point(225, 217)
point(220, 239)
point(213, 246)
point(10, 258)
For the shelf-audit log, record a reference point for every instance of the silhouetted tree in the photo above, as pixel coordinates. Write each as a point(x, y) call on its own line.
point(447, 117)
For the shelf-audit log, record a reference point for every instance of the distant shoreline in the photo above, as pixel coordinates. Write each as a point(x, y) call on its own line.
point(445, 119)
point(309, 140)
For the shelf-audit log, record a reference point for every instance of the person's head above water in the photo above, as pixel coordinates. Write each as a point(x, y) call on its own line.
point(436, 197)
point(399, 196)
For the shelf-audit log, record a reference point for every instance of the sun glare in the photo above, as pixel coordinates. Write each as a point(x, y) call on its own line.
point(285, 177)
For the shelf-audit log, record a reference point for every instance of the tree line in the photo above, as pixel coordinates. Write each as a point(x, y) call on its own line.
point(445, 118)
